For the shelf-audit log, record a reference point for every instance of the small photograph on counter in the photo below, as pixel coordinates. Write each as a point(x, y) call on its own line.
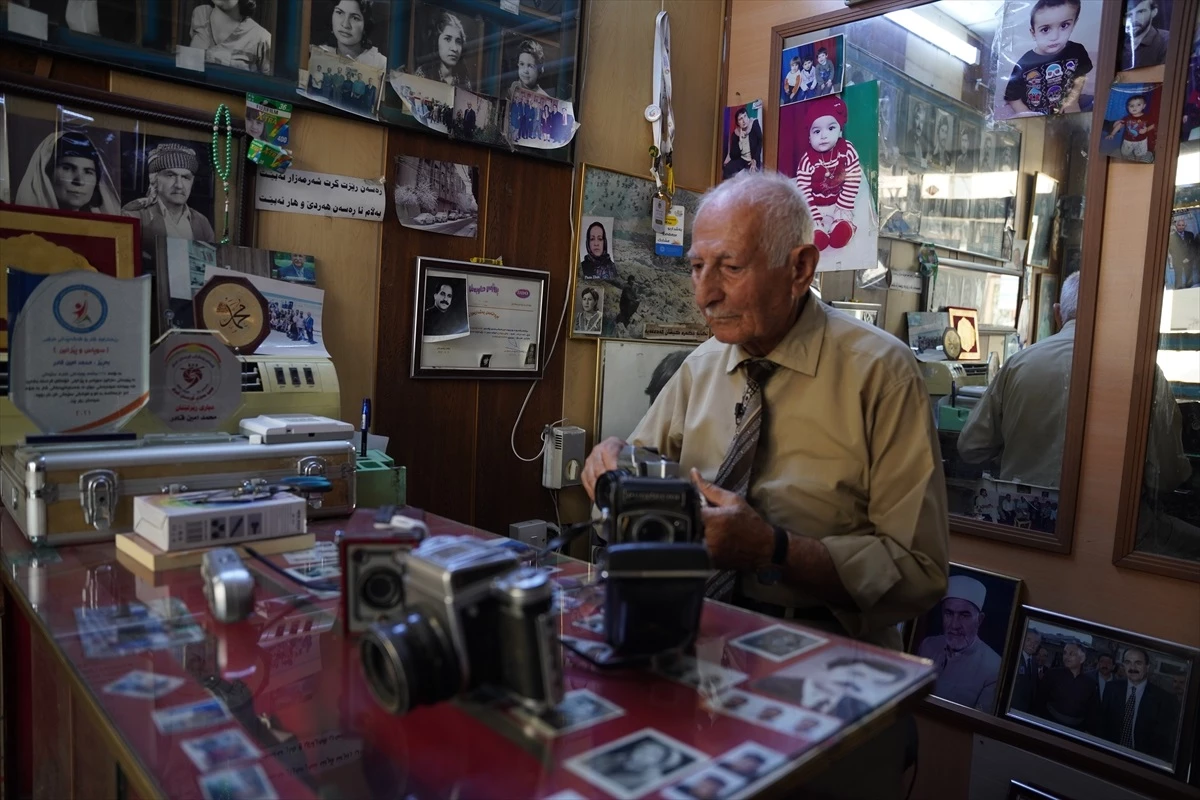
point(220, 749)
point(635, 764)
point(354, 29)
point(437, 196)
point(445, 309)
point(580, 708)
point(190, 716)
point(293, 267)
point(1131, 122)
point(243, 783)
point(774, 714)
point(703, 676)
point(143, 685)
point(589, 311)
point(710, 783)
point(112, 631)
point(751, 760)
point(778, 642)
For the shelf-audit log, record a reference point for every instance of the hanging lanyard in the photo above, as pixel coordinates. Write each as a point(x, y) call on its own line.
point(662, 122)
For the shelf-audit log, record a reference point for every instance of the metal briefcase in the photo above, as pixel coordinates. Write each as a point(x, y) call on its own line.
point(75, 493)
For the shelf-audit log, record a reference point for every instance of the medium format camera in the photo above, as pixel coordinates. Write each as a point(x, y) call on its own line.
point(472, 619)
point(373, 577)
point(656, 564)
point(228, 585)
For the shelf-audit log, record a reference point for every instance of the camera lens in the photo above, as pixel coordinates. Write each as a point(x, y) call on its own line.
point(652, 529)
point(410, 663)
point(381, 589)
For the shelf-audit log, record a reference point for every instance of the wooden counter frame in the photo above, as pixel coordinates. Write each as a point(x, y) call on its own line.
point(1162, 202)
point(1094, 201)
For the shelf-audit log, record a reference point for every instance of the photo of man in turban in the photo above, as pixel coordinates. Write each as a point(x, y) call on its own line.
point(172, 168)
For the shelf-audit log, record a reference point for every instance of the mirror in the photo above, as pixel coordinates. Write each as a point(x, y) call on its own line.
point(968, 161)
point(1168, 522)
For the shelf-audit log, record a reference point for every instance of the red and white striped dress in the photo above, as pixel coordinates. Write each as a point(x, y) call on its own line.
point(829, 179)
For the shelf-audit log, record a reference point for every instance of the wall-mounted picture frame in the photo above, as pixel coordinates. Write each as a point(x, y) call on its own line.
point(1047, 296)
point(477, 321)
point(1129, 695)
point(967, 636)
point(870, 313)
point(631, 374)
point(1041, 217)
point(965, 322)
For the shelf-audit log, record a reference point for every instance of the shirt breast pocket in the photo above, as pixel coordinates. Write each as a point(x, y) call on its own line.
point(815, 496)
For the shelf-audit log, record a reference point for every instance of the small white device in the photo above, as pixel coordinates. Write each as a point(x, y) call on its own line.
point(562, 464)
point(282, 428)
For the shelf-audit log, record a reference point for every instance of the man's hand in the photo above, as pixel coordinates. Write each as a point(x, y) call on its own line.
point(602, 459)
point(737, 536)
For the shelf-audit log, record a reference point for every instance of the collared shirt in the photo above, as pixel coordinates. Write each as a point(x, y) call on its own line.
point(1022, 417)
point(180, 228)
point(1101, 681)
point(968, 676)
point(849, 456)
point(1151, 50)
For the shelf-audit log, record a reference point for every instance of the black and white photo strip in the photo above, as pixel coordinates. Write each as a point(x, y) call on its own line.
point(778, 643)
point(767, 712)
point(635, 764)
point(579, 709)
point(730, 776)
point(444, 312)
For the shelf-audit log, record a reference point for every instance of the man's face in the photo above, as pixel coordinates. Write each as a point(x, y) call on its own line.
point(1178, 685)
point(443, 298)
point(744, 300)
point(1104, 665)
point(1180, 226)
point(1032, 640)
point(1043, 656)
point(964, 141)
point(1139, 15)
point(1072, 657)
point(1135, 666)
point(174, 185)
point(960, 621)
point(527, 70)
point(824, 133)
point(1137, 107)
point(857, 679)
point(298, 260)
point(1052, 28)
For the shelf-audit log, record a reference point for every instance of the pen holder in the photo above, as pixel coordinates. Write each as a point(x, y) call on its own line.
point(380, 482)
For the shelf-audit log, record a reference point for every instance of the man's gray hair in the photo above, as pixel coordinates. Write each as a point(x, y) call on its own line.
point(775, 200)
point(1068, 299)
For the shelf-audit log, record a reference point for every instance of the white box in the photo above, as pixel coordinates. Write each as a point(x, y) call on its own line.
point(183, 522)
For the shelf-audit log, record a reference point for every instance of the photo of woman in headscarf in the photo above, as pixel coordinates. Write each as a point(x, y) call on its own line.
point(353, 29)
point(448, 49)
point(230, 37)
point(67, 172)
point(597, 264)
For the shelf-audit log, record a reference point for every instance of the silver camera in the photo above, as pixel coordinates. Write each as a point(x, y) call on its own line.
point(472, 618)
point(228, 585)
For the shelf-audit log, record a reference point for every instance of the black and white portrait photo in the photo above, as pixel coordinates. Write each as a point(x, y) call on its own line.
point(232, 33)
point(589, 310)
point(918, 133)
point(71, 169)
point(354, 29)
point(966, 148)
point(942, 156)
point(437, 196)
point(635, 764)
point(987, 152)
point(778, 642)
point(168, 185)
point(115, 19)
point(595, 249)
point(528, 63)
point(444, 309)
point(580, 708)
point(632, 376)
point(447, 45)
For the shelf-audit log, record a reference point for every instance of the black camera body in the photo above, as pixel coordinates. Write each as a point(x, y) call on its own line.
point(656, 564)
point(472, 618)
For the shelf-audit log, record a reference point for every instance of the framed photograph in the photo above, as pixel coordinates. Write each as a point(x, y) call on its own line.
point(1131, 122)
point(965, 322)
point(967, 633)
point(1047, 296)
point(355, 29)
point(812, 69)
point(631, 376)
point(1114, 690)
point(870, 313)
point(477, 321)
point(1041, 218)
point(236, 36)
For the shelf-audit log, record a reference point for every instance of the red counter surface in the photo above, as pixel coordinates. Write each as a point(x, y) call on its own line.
point(294, 685)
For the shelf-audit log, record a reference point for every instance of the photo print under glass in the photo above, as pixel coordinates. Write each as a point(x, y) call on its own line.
point(917, 141)
point(633, 375)
point(1107, 688)
point(889, 133)
point(941, 157)
point(830, 145)
point(109, 20)
point(477, 117)
point(539, 121)
point(169, 186)
point(293, 267)
point(595, 249)
point(232, 33)
point(431, 103)
point(444, 315)
point(967, 153)
point(1046, 58)
point(812, 69)
point(341, 82)
point(528, 63)
point(447, 46)
point(743, 138)
point(635, 764)
point(353, 29)
point(776, 715)
point(55, 165)
point(1144, 34)
point(965, 636)
point(1131, 122)
point(589, 310)
point(437, 196)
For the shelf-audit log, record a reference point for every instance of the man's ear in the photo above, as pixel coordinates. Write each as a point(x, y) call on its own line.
point(802, 263)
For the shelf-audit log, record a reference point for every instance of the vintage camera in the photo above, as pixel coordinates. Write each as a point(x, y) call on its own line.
point(228, 585)
point(656, 564)
point(373, 577)
point(473, 619)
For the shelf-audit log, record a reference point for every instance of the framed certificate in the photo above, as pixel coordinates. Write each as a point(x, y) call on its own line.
point(477, 321)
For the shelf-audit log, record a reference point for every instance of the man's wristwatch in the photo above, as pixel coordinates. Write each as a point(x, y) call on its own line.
point(772, 573)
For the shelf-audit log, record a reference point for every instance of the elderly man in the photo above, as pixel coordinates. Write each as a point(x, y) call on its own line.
point(164, 211)
point(967, 667)
point(1025, 685)
point(807, 432)
point(1072, 697)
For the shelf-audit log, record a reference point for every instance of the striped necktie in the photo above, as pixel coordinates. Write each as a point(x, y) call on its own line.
point(734, 474)
point(1127, 722)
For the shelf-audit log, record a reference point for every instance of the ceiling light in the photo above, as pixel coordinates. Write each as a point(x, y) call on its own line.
point(935, 34)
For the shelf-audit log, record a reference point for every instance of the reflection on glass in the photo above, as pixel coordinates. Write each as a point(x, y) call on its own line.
point(1169, 519)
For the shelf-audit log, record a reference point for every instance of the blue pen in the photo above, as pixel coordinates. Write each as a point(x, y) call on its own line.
point(366, 423)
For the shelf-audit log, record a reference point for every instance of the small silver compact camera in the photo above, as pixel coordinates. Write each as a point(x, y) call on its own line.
point(228, 585)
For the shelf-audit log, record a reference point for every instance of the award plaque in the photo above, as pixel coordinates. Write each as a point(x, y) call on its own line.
point(234, 308)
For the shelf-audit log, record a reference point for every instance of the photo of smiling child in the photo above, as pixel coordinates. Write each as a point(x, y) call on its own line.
point(1051, 45)
point(1131, 122)
point(810, 70)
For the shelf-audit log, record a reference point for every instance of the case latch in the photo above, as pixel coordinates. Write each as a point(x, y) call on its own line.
point(312, 467)
point(98, 496)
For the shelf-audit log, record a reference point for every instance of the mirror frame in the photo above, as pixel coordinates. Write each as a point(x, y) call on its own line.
point(1162, 202)
point(1094, 201)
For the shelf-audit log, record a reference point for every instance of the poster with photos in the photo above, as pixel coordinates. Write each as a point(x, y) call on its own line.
point(812, 69)
point(646, 296)
point(831, 145)
point(1046, 55)
point(1144, 34)
point(1131, 122)
point(742, 139)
